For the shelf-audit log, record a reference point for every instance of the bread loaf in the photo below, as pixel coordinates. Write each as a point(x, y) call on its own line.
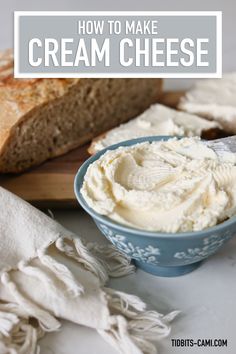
point(44, 118)
point(158, 120)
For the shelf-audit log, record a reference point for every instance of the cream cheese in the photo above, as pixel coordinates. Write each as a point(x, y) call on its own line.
point(214, 99)
point(171, 186)
point(157, 120)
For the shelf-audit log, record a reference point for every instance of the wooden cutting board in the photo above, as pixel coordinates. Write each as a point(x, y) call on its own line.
point(51, 184)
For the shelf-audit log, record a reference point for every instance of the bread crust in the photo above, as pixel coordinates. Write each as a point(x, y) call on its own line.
point(91, 148)
point(18, 97)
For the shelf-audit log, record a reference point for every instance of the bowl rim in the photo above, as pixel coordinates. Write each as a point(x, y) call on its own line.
point(78, 182)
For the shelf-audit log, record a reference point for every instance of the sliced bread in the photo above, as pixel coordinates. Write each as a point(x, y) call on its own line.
point(214, 99)
point(44, 118)
point(158, 120)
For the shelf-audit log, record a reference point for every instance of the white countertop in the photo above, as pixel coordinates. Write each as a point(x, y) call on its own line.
point(206, 298)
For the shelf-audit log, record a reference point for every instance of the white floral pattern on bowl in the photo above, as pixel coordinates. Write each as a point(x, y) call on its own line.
point(209, 246)
point(148, 254)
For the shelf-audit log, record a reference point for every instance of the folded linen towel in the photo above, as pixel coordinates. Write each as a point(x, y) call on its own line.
point(47, 273)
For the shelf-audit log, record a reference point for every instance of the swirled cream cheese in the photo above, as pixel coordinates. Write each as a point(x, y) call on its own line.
point(171, 186)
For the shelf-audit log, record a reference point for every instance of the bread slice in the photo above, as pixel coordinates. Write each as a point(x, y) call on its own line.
point(214, 99)
point(44, 118)
point(158, 120)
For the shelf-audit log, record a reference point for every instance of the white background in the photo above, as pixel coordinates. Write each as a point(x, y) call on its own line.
point(206, 297)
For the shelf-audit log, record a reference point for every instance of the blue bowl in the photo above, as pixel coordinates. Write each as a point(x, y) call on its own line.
point(162, 254)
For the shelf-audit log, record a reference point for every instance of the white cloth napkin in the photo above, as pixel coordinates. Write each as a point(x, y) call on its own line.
point(47, 273)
